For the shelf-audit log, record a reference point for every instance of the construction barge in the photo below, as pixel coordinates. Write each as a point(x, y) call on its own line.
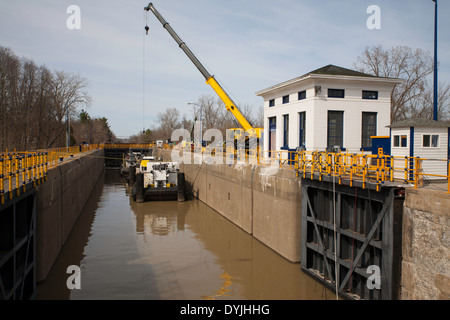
point(153, 180)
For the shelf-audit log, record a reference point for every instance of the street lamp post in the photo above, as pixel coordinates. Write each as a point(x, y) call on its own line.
point(435, 88)
point(67, 129)
point(201, 120)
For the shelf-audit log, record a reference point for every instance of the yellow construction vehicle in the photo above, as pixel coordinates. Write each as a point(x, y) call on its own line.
point(248, 130)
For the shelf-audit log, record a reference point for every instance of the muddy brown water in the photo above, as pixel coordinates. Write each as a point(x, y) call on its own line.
point(169, 250)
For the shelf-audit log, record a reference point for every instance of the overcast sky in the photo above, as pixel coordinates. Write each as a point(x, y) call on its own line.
point(248, 45)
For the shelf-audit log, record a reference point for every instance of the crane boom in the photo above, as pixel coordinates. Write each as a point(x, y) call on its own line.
point(229, 104)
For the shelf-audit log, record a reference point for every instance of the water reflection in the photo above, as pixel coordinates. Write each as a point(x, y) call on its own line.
point(168, 219)
point(202, 247)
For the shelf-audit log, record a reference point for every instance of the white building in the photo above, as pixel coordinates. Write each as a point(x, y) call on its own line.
point(424, 138)
point(327, 107)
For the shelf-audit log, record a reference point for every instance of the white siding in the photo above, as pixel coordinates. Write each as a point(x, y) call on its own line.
point(436, 166)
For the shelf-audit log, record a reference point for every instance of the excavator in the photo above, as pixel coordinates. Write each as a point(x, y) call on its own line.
point(248, 131)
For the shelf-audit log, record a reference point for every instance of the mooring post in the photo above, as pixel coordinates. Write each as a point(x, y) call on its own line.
point(132, 175)
point(140, 191)
point(181, 187)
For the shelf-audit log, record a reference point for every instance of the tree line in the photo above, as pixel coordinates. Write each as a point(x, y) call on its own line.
point(36, 104)
point(212, 112)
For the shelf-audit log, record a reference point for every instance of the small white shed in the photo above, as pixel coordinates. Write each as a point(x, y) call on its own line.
point(424, 138)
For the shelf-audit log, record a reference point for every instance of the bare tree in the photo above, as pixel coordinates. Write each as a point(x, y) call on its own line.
point(210, 111)
point(259, 118)
point(215, 115)
point(168, 121)
point(43, 106)
point(423, 107)
point(25, 105)
point(9, 79)
point(69, 91)
point(414, 66)
point(35, 103)
point(91, 130)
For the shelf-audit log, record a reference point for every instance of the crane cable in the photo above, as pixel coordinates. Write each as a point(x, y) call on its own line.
point(143, 69)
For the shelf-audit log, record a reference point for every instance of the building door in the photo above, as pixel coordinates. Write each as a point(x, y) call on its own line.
point(272, 135)
point(335, 129)
point(302, 130)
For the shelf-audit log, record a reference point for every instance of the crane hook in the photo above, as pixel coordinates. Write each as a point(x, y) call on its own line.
point(146, 30)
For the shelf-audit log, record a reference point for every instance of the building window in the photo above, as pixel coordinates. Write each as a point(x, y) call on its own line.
point(400, 141)
point(335, 129)
point(370, 95)
point(272, 103)
point(302, 95)
point(336, 93)
point(286, 99)
point(286, 131)
point(302, 130)
point(369, 129)
point(430, 141)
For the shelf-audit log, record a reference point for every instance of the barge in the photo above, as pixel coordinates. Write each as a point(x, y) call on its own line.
point(156, 181)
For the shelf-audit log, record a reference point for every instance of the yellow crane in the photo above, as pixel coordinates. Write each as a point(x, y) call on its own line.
point(229, 104)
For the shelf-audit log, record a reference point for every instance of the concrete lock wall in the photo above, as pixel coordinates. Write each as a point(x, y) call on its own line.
point(60, 201)
point(263, 202)
point(269, 207)
point(426, 245)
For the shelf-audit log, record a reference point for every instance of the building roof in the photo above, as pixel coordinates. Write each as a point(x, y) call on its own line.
point(331, 71)
point(420, 122)
point(339, 71)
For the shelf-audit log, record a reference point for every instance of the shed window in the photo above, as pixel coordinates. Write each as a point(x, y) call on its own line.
point(430, 141)
point(400, 141)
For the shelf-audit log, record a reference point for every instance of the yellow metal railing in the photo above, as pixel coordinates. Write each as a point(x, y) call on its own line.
point(364, 168)
point(20, 168)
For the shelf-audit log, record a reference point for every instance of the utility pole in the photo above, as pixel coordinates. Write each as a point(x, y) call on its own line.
point(435, 89)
